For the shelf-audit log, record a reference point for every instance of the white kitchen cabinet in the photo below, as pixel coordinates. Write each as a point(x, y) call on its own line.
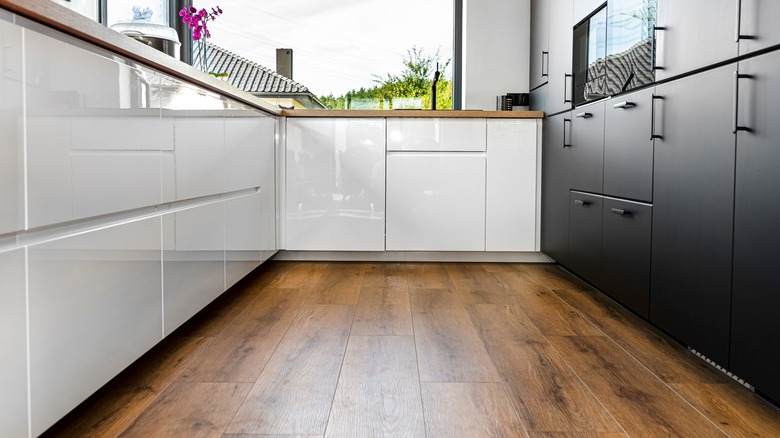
point(335, 184)
point(94, 308)
point(436, 201)
point(511, 204)
point(11, 163)
point(13, 345)
point(200, 153)
point(425, 134)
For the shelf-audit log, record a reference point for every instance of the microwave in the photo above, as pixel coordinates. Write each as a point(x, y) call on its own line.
point(613, 50)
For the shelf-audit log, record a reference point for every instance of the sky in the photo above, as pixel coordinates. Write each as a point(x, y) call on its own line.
point(338, 45)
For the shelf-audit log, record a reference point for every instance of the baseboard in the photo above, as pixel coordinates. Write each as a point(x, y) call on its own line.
point(414, 256)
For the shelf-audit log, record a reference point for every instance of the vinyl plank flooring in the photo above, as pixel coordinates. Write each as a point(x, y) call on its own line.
point(299, 275)
point(242, 350)
point(639, 401)
point(382, 311)
point(378, 393)
point(547, 395)
point(386, 275)
point(448, 348)
point(664, 357)
point(293, 394)
point(339, 284)
point(111, 410)
point(544, 308)
point(577, 435)
point(191, 410)
point(736, 411)
point(503, 267)
point(470, 276)
point(428, 276)
point(554, 277)
point(469, 410)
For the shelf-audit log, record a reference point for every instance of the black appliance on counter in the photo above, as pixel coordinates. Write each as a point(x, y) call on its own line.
point(613, 50)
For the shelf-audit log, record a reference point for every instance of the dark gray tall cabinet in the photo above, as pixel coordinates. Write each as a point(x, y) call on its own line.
point(693, 200)
point(540, 51)
point(755, 318)
point(555, 187)
point(559, 83)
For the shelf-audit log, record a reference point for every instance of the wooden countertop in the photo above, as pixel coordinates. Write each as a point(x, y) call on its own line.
point(53, 15)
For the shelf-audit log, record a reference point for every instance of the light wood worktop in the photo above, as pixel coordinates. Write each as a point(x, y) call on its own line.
point(416, 113)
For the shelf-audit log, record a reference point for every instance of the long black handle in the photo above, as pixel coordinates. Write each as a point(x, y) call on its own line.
point(735, 116)
point(654, 47)
point(566, 145)
point(565, 87)
point(738, 27)
point(545, 73)
point(653, 135)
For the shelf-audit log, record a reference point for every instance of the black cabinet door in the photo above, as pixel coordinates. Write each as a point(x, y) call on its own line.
point(693, 199)
point(696, 33)
point(758, 27)
point(540, 26)
point(756, 295)
point(585, 236)
point(628, 149)
point(625, 260)
point(555, 188)
point(560, 42)
point(587, 148)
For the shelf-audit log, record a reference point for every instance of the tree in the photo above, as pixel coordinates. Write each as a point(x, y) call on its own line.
point(414, 81)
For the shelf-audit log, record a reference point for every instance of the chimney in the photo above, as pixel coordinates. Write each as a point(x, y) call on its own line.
point(284, 62)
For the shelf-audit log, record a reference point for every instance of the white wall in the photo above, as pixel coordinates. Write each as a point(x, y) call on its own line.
point(496, 50)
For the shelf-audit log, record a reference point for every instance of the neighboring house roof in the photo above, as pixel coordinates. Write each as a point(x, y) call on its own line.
point(250, 76)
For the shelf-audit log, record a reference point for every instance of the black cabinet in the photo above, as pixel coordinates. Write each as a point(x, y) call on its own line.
point(756, 295)
point(585, 236)
point(628, 148)
point(559, 83)
point(758, 27)
point(693, 199)
point(587, 148)
point(540, 25)
point(694, 34)
point(538, 98)
point(625, 253)
point(555, 188)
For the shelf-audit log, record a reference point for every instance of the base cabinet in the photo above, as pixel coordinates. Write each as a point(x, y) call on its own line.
point(13, 345)
point(585, 235)
point(555, 188)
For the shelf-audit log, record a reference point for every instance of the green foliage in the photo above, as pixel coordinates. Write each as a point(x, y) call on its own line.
point(414, 81)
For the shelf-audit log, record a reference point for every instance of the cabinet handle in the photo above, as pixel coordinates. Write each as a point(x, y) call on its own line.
point(566, 145)
point(621, 212)
point(738, 28)
point(624, 105)
point(581, 202)
point(545, 71)
point(735, 116)
point(584, 115)
point(654, 47)
point(653, 135)
point(566, 76)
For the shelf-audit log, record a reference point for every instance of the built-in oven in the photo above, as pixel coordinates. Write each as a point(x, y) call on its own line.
point(613, 50)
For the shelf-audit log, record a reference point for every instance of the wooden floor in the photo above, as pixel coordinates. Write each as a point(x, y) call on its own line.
point(415, 350)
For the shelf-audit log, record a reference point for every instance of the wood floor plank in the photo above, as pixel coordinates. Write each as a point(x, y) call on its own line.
point(293, 394)
point(469, 410)
point(640, 402)
point(386, 275)
point(546, 394)
point(735, 410)
point(339, 284)
point(378, 393)
point(111, 410)
point(428, 276)
point(554, 276)
point(299, 275)
point(503, 267)
point(448, 348)
point(470, 276)
point(577, 435)
point(191, 410)
point(544, 308)
point(230, 435)
point(663, 356)
point(242, 350)
point(382, 311)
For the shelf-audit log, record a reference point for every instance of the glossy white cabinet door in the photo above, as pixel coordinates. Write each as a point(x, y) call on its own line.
point(193, 261)
point(247, 136)
point(245, 243)
point(335, 184)
point(409, 134)
point(511, 186)
point(95, 307)
point(435, 201)
point(200, 154)
point(11, 163)
point(13, 345)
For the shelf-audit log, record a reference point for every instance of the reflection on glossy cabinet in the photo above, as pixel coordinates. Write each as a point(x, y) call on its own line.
point(13, 344)
point(247, 241)
point(199, 154)
point(511, 196)
point(95, 307)
point(193, 261)
point(335, 184)
point(410, 134)
point(436, 201)
point(11, 170)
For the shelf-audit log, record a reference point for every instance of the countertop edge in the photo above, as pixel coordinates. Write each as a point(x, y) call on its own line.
point(443, 114)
